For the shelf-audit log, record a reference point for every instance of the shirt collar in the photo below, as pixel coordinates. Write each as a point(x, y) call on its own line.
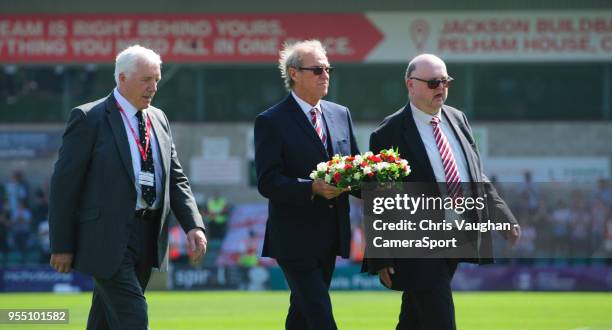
point(422, 116)
point(130, 110)
point(305, 106)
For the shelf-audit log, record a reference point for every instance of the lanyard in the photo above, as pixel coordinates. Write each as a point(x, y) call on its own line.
point(143, 151)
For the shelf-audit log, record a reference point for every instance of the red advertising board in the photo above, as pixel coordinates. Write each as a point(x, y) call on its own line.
point(236, 38)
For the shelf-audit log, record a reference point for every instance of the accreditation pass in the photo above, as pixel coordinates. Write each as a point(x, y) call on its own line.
point(146, 179)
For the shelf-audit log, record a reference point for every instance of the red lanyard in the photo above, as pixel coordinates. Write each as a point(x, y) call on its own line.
point(143, 152)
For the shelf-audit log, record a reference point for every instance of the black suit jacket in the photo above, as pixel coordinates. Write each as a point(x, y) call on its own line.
point(287, 149)
point(93, 194)
point(399, 130)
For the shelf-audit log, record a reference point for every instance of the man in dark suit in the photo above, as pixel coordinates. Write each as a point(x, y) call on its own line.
point(115, 181)
point(437, 142)
point(308, 221)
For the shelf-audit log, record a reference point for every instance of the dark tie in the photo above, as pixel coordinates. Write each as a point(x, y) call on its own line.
point(146, 165)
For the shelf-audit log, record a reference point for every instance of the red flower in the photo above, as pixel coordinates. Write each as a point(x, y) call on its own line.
point(364, 164)
point(371, 174)
point(337, 177)
point(348, 166)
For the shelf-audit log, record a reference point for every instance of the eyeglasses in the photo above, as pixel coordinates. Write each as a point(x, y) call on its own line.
point(318, 70)
point(434, 83)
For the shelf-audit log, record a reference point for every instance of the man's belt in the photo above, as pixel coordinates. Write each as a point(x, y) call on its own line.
point(147, 214)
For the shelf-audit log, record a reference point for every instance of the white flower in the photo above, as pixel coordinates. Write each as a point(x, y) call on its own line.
point(367, 170)
point(357, 176)
point(339, 166)
point(328, 178)
point(322, 167)
point(368, 154)
point(408, 170)
point(358, 159)
point(381, 166)
point(313, 175)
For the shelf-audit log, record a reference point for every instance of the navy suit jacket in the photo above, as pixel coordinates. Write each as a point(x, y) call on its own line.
point(399, 130)
point(287, 149)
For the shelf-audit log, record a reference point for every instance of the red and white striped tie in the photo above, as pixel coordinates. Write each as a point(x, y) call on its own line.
point(451, 172)
point(318, 126)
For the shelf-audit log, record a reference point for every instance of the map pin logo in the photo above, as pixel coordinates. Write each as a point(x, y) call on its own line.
point(419, 32)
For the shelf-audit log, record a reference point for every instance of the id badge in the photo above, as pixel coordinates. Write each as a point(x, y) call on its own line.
point(146, 179)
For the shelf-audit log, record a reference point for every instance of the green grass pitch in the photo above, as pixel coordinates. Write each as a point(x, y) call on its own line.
point(237, 310)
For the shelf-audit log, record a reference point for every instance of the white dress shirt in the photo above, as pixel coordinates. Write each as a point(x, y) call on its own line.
point(423, 123)
point(306, 107)
point(130, 113)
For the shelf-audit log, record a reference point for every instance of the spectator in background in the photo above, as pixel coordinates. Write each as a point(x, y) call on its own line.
point(604, 192)
point(599, 215)
point(607, 243)
point(249, 256)
point(177, 245)
point(580, 225)
point(530, 192)
point(21, 224)
point(525, 248)
point(543, 227)
point(40, 207)
point(16, 190)
point(43, 241)
point(215, 215)
point(5, 227)
point(560, 220)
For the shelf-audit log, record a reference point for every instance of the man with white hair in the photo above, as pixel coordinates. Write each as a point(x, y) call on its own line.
point(116, 179)
point(308, 220)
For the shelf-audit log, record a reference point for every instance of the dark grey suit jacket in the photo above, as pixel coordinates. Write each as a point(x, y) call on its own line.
point(92, 190)
point(400, 131)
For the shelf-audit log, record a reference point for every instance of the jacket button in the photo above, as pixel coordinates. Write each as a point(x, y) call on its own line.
point(331, 206)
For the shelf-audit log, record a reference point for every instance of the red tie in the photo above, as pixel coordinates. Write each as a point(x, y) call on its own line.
point(316, 123)
point(451, 172)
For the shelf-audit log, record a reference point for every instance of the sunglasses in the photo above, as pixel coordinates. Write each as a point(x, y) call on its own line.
point(318, 70)
point(434, 83)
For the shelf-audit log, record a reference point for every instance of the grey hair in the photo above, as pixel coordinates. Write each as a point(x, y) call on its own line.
point(410, 69)
point(291, 57)
point(128, 58)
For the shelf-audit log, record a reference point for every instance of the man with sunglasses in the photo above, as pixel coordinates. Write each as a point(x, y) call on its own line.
point(436, 140)
point(308, 221)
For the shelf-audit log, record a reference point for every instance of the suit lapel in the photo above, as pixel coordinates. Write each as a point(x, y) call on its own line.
point(162, 141)
point(465, 145)
point(414, 142)
point(116, 123)
point(298, 115)
point(331, 122)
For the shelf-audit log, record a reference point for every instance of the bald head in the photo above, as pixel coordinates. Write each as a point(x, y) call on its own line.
point(423, 60)
point(427, 83)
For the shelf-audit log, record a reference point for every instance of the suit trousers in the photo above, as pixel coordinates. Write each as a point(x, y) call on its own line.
point(309, 279)
point(429, 309)
point(118, 302)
